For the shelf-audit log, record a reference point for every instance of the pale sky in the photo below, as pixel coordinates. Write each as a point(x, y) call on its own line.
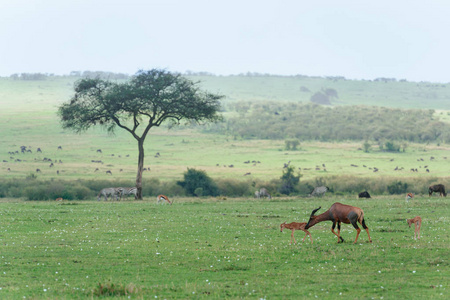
point(402, 39)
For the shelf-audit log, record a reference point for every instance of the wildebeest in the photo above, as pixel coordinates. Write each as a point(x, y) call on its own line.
point(437, 188)
point(319, 191)
point(364, 194)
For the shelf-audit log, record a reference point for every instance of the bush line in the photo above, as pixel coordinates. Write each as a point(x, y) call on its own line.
point(35, 189)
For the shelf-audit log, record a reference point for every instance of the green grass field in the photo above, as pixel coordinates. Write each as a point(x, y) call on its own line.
point(218, 248)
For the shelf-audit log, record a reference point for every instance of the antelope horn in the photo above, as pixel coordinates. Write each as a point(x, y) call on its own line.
point(315, 210)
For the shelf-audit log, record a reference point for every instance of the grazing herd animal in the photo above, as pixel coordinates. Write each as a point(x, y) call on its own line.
point(364, 194)
point(409, 196)
point(106, 192)
point(319, 191)
point(438, 188)
point(118, 193)
point(340, 213)
point(127, 191)
point(163, 199)
point(263, 193)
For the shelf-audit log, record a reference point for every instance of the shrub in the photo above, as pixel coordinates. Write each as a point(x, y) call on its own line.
point(397, 188)
point(234, 188)
point(152, 187)
point(289, 181)
point(392, 147)
point(291, 144)
point(81, 193)
point(36, 193)
point(194, 179)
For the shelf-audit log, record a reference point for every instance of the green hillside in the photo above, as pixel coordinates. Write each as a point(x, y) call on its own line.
point(387, 93)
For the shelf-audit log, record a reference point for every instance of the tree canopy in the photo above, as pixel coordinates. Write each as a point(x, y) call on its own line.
point(149, 98)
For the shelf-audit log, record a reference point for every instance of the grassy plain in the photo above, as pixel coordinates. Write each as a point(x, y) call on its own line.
point(219, 248)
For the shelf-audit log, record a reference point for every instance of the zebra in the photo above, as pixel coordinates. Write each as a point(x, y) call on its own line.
point(108, 192)
point(264, 193)
point(319, 191)
point(127, 191)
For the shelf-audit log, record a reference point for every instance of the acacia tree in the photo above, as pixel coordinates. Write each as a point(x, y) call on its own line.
point(147, 100)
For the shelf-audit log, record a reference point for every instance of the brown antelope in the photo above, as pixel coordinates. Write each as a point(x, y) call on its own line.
point(162, 198)
point(340, 213)
point(59, 199)
point(417, 223)
point(409, 196)
point(296, 226)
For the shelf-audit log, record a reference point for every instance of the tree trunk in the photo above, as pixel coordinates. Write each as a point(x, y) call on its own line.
point(140, 169)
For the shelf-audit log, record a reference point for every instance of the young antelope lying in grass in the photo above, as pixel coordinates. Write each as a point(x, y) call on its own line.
point(296, 226)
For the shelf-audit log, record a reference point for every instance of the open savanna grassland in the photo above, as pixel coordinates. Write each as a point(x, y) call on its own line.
point(219, 156)
point(220, 248)
point(28, 118)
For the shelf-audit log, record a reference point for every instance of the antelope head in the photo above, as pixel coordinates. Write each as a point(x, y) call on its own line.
point(282, 226)
point(312, 219)
point(409, 222)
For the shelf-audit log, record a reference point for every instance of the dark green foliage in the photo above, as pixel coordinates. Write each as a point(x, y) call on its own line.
point(397, 188)
point(195, 179)
point(392, 147)
point(289, 181)
point(339, 123)
point(367, 146)
point(234, 188)
point(292, 144)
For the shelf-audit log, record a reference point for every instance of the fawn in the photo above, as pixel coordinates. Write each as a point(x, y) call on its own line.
point(417, 223)
point(296, 226)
